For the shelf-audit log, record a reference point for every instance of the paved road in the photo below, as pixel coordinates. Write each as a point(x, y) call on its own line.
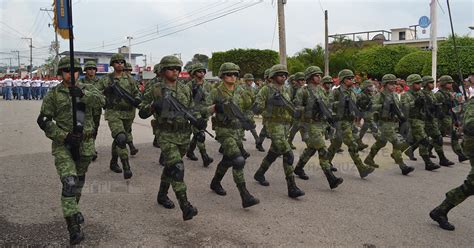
point(386, 209)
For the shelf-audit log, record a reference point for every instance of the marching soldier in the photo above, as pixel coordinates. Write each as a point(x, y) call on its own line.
point(248, 99)
point(364, 101)
point(299, 81)
point(263, 133)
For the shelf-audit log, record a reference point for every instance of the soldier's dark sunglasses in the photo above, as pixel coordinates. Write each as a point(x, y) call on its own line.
point(119, 62)
point(172, 68)
point(230, 74)
point(281, 74)
point(91, 68)
point(200, 71)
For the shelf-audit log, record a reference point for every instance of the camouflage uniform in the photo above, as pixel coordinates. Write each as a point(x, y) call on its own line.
point(248, 99)
point(388, 122)
point(55, 120)
point(433, 109)
point(445, 122)
point(228, 134)
point(414, 106)
point(296, 125)
point(345, 123)
point(175, 131)
point(120, 114)
point(457, 195)
point(315, 124)
point(364, 100)
point(148, 86)
point(200, 92)
point(263, 133)
point(272, 101)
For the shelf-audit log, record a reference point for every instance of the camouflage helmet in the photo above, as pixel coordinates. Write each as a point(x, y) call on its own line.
point(170, 61)
point(157, 68)
point(64, 63)
point(389, 78)
point(116, 57)
point(248, 76)
point(413, 79)
point(267, 72)
point(310, 71)
point(345, 73)
point(427, 80)
point(228, 67)
point(366, 84)
point(445, 79)
point(196, 67)
point(299, 76)
point(128, 66)
point(291, 78)
point(278, 68)
point(90, 64)
point(327, 80)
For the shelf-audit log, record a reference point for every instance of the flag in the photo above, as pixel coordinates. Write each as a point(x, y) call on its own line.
point(61, 24)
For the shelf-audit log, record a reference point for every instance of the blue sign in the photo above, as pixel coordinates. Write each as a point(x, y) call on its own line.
point(61, 7)
point(424, 21)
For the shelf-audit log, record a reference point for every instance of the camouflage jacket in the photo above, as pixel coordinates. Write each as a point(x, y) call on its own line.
point(305, 100)
point(200, 95)
point(222, 122)
point(95, 82)
point(381, 106)
point(364, 101)
point(174, 127)
point(114, 104)
point(271, 112)
point(339, 104)
point(445, 98)
point(57, 106)
point(248, 96)
point(410, 109)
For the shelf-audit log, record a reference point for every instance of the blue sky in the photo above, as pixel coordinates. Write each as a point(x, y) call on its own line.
point(103, 25)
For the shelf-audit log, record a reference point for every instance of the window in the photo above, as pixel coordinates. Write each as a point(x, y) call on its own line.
point(401, 35)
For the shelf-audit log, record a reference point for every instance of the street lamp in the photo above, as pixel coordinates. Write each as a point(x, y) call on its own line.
point(471, 27)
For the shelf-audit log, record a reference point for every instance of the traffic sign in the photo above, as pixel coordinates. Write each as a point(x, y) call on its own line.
point(424, 21)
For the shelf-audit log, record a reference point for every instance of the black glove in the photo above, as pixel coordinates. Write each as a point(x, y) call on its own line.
point(75, 91)
point(298, 113)
point(157, 106)
point(201, 124)
point(402, 119)
point(136, 103)
point(108, 90)
point(200, 136)
point(219, 107)
point(43, 121)
point(73, 139)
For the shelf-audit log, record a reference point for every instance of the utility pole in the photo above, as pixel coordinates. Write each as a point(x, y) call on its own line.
point(281, 31)
point(18, 54)
point(56, 43)
point(129, 38)
point(434, 41)
point(326, 44)
point(144, 60)
point(31, 55)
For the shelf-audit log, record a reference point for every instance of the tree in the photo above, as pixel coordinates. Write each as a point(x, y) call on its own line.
point(413, 63)
point(446, 58)
point(197, 58)
point(305, 58)
point(377, 61)
point(253, 61)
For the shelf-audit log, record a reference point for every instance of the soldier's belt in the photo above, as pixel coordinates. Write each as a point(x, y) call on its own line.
point(174, 127)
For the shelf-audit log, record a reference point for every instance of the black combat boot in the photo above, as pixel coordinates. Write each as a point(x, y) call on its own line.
point(293, 147)
point(259, 145)
point(191, 155)
point(192, 146)
point(163, 198)
point(369, 160)
point(299, 171)
point(162, 159)
point(127, 173)
point(206, 160)
point(331, 167)
point(247, 199)
point(94, 157)
point(332, 179)
point(217, 187)
point(410, 153)
point(244, 152)
point(462, 158)
point(443, 161)
point(405, 168)
point(260, 178)
point(221, 150)
point(440, 215)
point(360, 145)
point(75, 233)
point(133, 149)
point(429, 165)
point(114, 166)
point(188, 210)
point(364, 170)
point(293, 190)
point(79, 218)
point(155, 142)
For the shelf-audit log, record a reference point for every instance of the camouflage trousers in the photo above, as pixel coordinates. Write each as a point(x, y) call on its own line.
point(457, 195)
point(369, 123)
point(445, 126)
point(96, 119)
point(314, 138)
point(418, 135)
point(278, 134)
point(231, 141)
point(388, 133)
point(344, 134)
point(172, 154)
point(66, 166)
point(117, 126)
point(296, 127)
point(200, 145)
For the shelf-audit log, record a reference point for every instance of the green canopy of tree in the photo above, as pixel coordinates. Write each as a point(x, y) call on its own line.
point(253, 61)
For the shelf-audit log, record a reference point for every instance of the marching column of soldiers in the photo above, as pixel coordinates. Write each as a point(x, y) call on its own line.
point(310, 105)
